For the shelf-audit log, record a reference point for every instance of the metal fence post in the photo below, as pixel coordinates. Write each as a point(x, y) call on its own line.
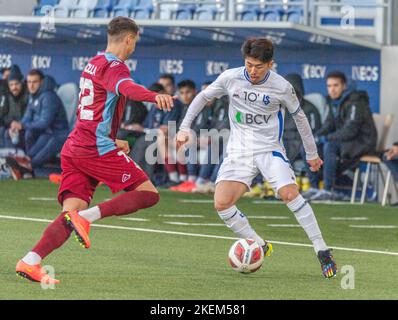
point(306, 12)
point(389, 22)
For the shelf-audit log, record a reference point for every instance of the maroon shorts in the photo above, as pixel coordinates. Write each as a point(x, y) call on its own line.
point(80, 176)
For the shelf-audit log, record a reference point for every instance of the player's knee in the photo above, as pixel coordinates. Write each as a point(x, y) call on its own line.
point(150, 199)
point(154, 199)
point(288, 193)
point(222, 204)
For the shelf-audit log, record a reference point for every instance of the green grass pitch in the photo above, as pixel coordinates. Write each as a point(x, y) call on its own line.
point(151, 258)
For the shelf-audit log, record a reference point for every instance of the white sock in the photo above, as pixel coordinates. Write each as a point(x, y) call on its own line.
point(238, 223)
point(306, 218)
point(183, 177)
point(91, 214)
point(173, 176)
point(192, 178)
point(32, 258)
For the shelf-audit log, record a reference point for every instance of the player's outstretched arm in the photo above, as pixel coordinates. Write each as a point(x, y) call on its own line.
point(165, 101)
point(214, 90)
point(137, 92)
point(307, 137)
point(194, 109)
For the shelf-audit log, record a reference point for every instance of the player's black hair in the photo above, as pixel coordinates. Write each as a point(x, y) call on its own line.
point(156, 87)
point(207, 83)
point(120, 26)
point(168, 76)
point(186, 83)
point(258, 48)
point(337, 75)
point(36, 72)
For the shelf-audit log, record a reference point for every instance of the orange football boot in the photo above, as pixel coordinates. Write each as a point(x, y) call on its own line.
point(34, 273)
point(80, 226)
point(187, 187)
point(175, 188)
point(55, 178)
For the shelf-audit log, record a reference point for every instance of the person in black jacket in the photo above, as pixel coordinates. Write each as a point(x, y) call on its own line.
point(44, 127)
point(347, 133)
point(154, 119)
point(187, 92)
point(205, 183)
point(3, 109)
point(13, 103)
point(4, 105)
point(133, 118)
point(291, 137)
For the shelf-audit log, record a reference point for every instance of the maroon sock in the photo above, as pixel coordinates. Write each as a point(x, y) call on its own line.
point(53, 237)
point(170, 167)
point(182, 168)
point(128, 202)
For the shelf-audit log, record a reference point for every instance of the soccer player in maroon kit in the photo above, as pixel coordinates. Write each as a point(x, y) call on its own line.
point(92, 154)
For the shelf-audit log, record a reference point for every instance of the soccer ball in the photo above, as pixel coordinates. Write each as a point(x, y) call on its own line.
point(246, 256)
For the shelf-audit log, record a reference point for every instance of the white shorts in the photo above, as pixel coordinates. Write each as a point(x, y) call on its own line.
point(274, 166)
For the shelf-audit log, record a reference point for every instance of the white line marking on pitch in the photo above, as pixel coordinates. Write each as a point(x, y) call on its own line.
point(42, 199)
point(373, 226)
point(267, 202)
point(135, 219)
point(269, 217)
point(195, 224)
point(181, 215)
point(284, 225)
point(349, 218)
point(203, 235)
point(334, 203)
point(195, 201)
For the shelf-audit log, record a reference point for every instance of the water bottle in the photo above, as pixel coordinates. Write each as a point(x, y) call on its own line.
point(14, 135)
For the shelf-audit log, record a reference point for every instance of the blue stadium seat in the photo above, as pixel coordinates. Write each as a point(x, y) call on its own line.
point(144, 10)
point(184, 12)
point(248, 13)
point(145, 3)
point(103, 8)
point(124, 8)
point(37, 10)
point(319, 101)
point(84, 9)
point(166, 10)
point(69, 95)
point(62, 10)
point(210, 11)
point(206, 12)
point(295, 15)
point(271, 14)
point(142, 13)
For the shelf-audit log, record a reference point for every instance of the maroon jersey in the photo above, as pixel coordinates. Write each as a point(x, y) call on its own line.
point(100, 109)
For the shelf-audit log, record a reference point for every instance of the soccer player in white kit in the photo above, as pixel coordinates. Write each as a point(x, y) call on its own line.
point(259, 97)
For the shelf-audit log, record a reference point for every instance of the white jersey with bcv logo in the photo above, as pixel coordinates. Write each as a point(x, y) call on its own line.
point(256, 111)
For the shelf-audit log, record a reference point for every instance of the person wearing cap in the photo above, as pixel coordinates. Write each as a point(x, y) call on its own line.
point(44, 126)
point(13, 103)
